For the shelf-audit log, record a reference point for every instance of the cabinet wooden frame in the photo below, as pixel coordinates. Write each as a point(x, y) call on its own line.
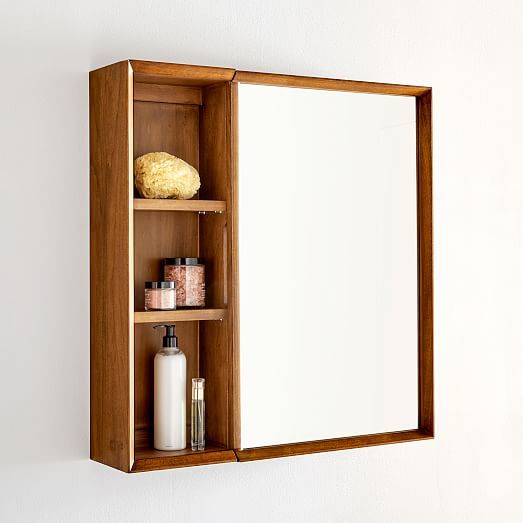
point(198, 106)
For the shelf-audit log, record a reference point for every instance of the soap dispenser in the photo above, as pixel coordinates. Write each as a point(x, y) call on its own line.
point(170, 370)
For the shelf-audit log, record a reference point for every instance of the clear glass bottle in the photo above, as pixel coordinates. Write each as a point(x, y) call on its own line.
point(198, 414)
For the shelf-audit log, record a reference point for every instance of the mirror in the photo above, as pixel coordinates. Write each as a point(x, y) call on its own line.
point(327, 264)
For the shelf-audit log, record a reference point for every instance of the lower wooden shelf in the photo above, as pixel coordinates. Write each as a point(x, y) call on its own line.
point(146, 459)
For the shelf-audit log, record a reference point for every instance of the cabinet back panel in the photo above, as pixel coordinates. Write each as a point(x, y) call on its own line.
point(171, 128)
point(198, 135)
point(159, 235)
point(167, 127)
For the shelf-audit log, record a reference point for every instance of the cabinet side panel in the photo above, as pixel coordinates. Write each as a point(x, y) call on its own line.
point(234, 309)
point(217, 352)
point(110, 114)
point(425, 279)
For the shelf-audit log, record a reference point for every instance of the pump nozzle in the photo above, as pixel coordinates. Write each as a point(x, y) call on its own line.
point(169, 340)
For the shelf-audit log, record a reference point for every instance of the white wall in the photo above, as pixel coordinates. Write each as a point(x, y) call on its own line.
point(470, 52)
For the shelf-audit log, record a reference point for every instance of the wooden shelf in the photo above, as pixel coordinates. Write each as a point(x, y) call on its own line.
point(146, 459)
point(143, 204)
point(181, 315)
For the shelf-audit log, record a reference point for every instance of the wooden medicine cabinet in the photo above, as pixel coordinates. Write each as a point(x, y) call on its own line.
point(314, 222)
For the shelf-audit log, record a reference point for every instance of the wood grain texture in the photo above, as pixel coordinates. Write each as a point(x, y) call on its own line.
point(144, 204)
point(215, 338)
point(171, 128)
point(331, 84)
point(425, 278)
point(172, 94)
point(214, 172)
point(191, 111)
point(215, 155)
point(110, 115)
point(328, 445)
point(147, 452)
point(164, 229)
point(234, 279)
point(163, 234)
point(179, 315)
point(159, 235)
point(179, 74)
point(150, 459)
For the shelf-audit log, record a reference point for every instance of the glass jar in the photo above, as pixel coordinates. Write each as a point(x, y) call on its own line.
point(198, 414)
point(160, 295)
point(189, 276)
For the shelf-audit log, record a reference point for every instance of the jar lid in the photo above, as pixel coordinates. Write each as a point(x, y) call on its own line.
point(181, 261)
point(159, 285)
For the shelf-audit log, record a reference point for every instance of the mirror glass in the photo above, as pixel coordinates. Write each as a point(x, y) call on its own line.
point(328, 264)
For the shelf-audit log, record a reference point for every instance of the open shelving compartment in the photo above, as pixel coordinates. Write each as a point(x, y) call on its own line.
point(191, 122)
point(185, 111)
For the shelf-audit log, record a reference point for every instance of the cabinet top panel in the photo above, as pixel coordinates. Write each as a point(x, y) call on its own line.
point(179, 74)
point(199, 75)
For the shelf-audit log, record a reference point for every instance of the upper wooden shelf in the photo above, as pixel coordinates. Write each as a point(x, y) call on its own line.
point(144, 204)
point(180, 315)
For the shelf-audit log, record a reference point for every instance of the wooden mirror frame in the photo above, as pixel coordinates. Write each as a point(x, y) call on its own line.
point(423, 95)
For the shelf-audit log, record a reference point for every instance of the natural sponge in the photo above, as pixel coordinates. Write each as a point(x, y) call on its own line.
point(162, 175)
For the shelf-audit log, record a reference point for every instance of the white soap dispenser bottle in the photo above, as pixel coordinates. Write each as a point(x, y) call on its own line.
point(170, 375)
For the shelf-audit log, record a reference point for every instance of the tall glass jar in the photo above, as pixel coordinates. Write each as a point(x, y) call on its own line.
point(188, 274)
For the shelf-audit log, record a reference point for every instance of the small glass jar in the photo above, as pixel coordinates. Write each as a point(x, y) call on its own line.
point(189, 277)
point(160, 295)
